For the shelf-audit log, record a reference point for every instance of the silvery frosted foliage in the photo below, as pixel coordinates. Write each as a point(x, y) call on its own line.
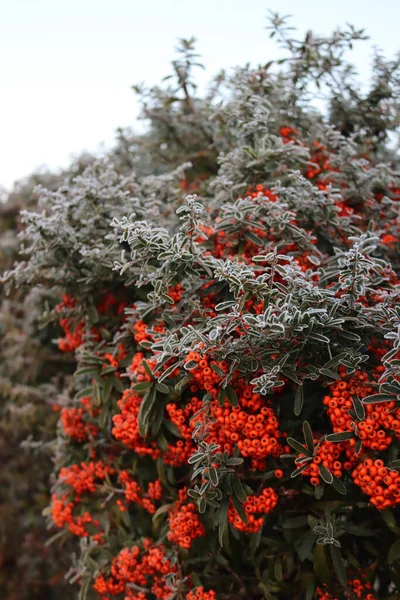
point(218, 303)
point(75, 222)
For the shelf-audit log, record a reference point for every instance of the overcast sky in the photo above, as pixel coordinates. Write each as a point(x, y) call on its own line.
point(67, 66)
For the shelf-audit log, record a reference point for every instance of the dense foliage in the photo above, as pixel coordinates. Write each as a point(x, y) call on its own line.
point(215, 305)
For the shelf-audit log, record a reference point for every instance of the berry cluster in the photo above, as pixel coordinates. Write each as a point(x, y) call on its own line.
point(62, 515)
point(251, 425)
point(74, 425)
point(255, 505)
point(203, 374)
point(84, 477)
point(380, 483)
point(134, 493)
point(327, 454)
point(200, 594)
point(358, 586)
point(135, 568)
point(379, 418)
point(184, 522)
point(126, 425)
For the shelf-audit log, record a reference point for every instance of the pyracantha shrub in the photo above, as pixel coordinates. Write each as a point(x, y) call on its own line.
point(230, 298)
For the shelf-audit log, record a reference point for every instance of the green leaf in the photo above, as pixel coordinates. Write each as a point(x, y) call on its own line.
point(308, 436)
point(297, 446)
point(87, 371)
point(222, 519)
point(318, 337)
point(310, 590)
point(338, 565)
point(232, 397)
point(378, 398)
point(278, 569)
point(221, 396)
point(240, 510)
point(357, 529)
point(298, 472)
point(217, 369)
point(325, 474)
point(298, 400)
point(304, 548)
point(86, 391)
point(162, 388)
point(83, 592)
point(329, 373)
point(145, 410)
point(349, 335)
point(238, 490)
point(225, 305)
point(213, 475)
point(143, 386)
point(312, 522)
point(172, 428)
point(167, 372)
point(184, 381)
point(161, 440)
point(342, 436)
point(339, 485)
point(147, 368)
point(394, 552)
point(126, 519)
point(319, 491)
point(390, 520)
point(358, 408)
point(96, 394)
point(250, 235)
point(107, 390)
point(394, 464)
point(161, 510)
point(103, 416)
point(295, 523)
point(191, 364)
point(321, 566)
point(116, 383)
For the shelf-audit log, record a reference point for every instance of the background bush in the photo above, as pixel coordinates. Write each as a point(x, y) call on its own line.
point(201, 341)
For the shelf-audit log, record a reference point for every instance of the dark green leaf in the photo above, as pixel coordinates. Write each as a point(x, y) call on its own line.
point(338, 565)
point(394, 552)
point(378, 398)
point(339, 485)
point(240, 510)
point(217, 369)
point(325, 474)
point(358, 408)
point(321, 566)
point(308, 437)
point(145, 410)
point(329, 373)
point(342, 436)
point(295, 522)
point(168, 372)
point(297, 446)
point(232, 397)
point(238, 490)
point(298, 400)
point(222, 519)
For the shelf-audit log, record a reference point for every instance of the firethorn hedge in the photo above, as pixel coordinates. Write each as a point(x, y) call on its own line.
point(221, 299)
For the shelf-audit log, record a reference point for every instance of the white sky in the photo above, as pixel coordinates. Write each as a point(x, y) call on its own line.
point(66, 66)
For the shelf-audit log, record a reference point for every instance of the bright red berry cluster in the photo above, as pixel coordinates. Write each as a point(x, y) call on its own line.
point(255, 505)
point(184, 522)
